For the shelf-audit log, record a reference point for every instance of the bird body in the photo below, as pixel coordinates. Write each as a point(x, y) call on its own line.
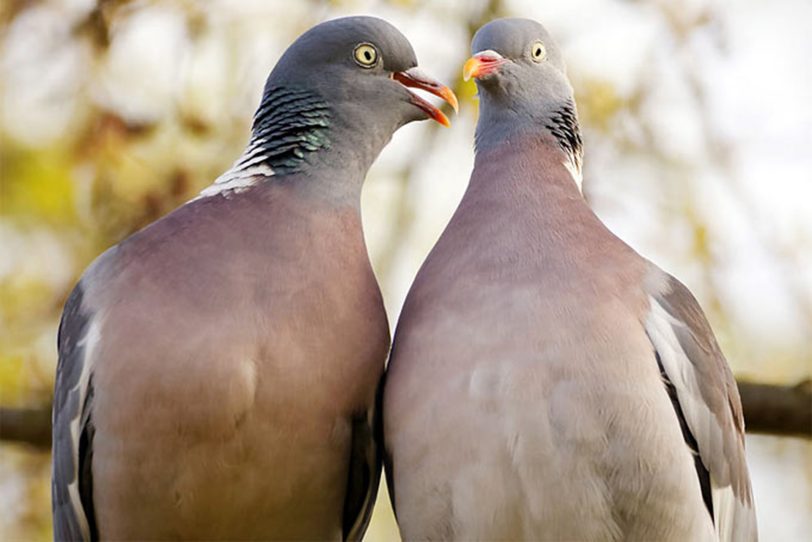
point(546, 382)
point(218, 369)
point(552, 440)
point(216, 374)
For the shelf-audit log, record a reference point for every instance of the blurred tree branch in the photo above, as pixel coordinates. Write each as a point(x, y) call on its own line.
point(777, 410)
point(768, 409)
point(26, 425)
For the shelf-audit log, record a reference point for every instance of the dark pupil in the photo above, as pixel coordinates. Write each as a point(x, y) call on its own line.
point(368, 56)
point(537, 51)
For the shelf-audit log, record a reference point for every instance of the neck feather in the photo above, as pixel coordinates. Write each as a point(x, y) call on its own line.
point(558, 126)
point(527, 171)
point(290, 124)
point(563, 125)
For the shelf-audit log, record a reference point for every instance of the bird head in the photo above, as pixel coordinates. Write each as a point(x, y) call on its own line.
point(364, 68)
point(523, 86)
point(516, 60)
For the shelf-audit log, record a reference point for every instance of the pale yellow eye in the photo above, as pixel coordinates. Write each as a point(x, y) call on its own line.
point(366, 55)
point(537, 51)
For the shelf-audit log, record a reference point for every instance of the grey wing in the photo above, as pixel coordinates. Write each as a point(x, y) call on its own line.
point(71, 482)
point(707, 402)
point(364, 477)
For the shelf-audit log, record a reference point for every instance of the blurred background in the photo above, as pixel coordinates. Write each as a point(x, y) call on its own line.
point(698, 134)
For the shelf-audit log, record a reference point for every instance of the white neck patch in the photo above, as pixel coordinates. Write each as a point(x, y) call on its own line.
point(574, 168)
point(247, 171)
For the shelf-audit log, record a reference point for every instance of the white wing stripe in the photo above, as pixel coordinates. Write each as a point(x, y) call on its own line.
point(88, 342)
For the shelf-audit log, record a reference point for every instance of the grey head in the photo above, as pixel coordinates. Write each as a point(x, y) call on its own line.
point(523, 85)
point(334, 100)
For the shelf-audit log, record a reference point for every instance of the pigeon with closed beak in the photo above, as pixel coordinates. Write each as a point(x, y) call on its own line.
point(546, 381)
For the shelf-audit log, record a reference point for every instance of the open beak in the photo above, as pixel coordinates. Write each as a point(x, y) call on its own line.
point(416, 78)
point(482, 64)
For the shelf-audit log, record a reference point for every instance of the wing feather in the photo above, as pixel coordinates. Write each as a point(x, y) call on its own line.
point(364, 477)
point(707, 397)
point(71, 483)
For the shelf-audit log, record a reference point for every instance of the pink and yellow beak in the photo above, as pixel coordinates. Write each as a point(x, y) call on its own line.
point(482, 64)
point(416, 78)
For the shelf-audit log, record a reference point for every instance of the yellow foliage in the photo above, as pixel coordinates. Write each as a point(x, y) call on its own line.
point(13, 378)
point(37, 185)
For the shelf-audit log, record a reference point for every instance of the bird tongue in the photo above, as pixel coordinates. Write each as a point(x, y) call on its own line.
point(416, 78)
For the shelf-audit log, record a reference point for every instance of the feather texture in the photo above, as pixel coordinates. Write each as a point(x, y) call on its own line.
point(707, 395)
point(290, 124)
point(72, 428)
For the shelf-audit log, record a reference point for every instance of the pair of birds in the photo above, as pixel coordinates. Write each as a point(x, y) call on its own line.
point(218, 370)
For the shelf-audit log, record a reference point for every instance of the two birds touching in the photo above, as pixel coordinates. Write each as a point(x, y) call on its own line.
point(222, 372)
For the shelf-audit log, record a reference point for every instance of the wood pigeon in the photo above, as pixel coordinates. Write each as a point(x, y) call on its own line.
point(217, 369)
point(546, 381)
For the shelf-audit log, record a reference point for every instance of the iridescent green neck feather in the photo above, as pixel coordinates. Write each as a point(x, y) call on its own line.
point(289, 124)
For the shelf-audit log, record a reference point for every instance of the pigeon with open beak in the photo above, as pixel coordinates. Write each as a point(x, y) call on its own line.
point(218, 369)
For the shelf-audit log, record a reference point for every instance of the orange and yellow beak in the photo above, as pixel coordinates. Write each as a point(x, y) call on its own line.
point(482, 64)
point(416, 78)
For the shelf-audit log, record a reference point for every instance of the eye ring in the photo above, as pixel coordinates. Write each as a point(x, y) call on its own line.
point(538, 52)
point(365, 55)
